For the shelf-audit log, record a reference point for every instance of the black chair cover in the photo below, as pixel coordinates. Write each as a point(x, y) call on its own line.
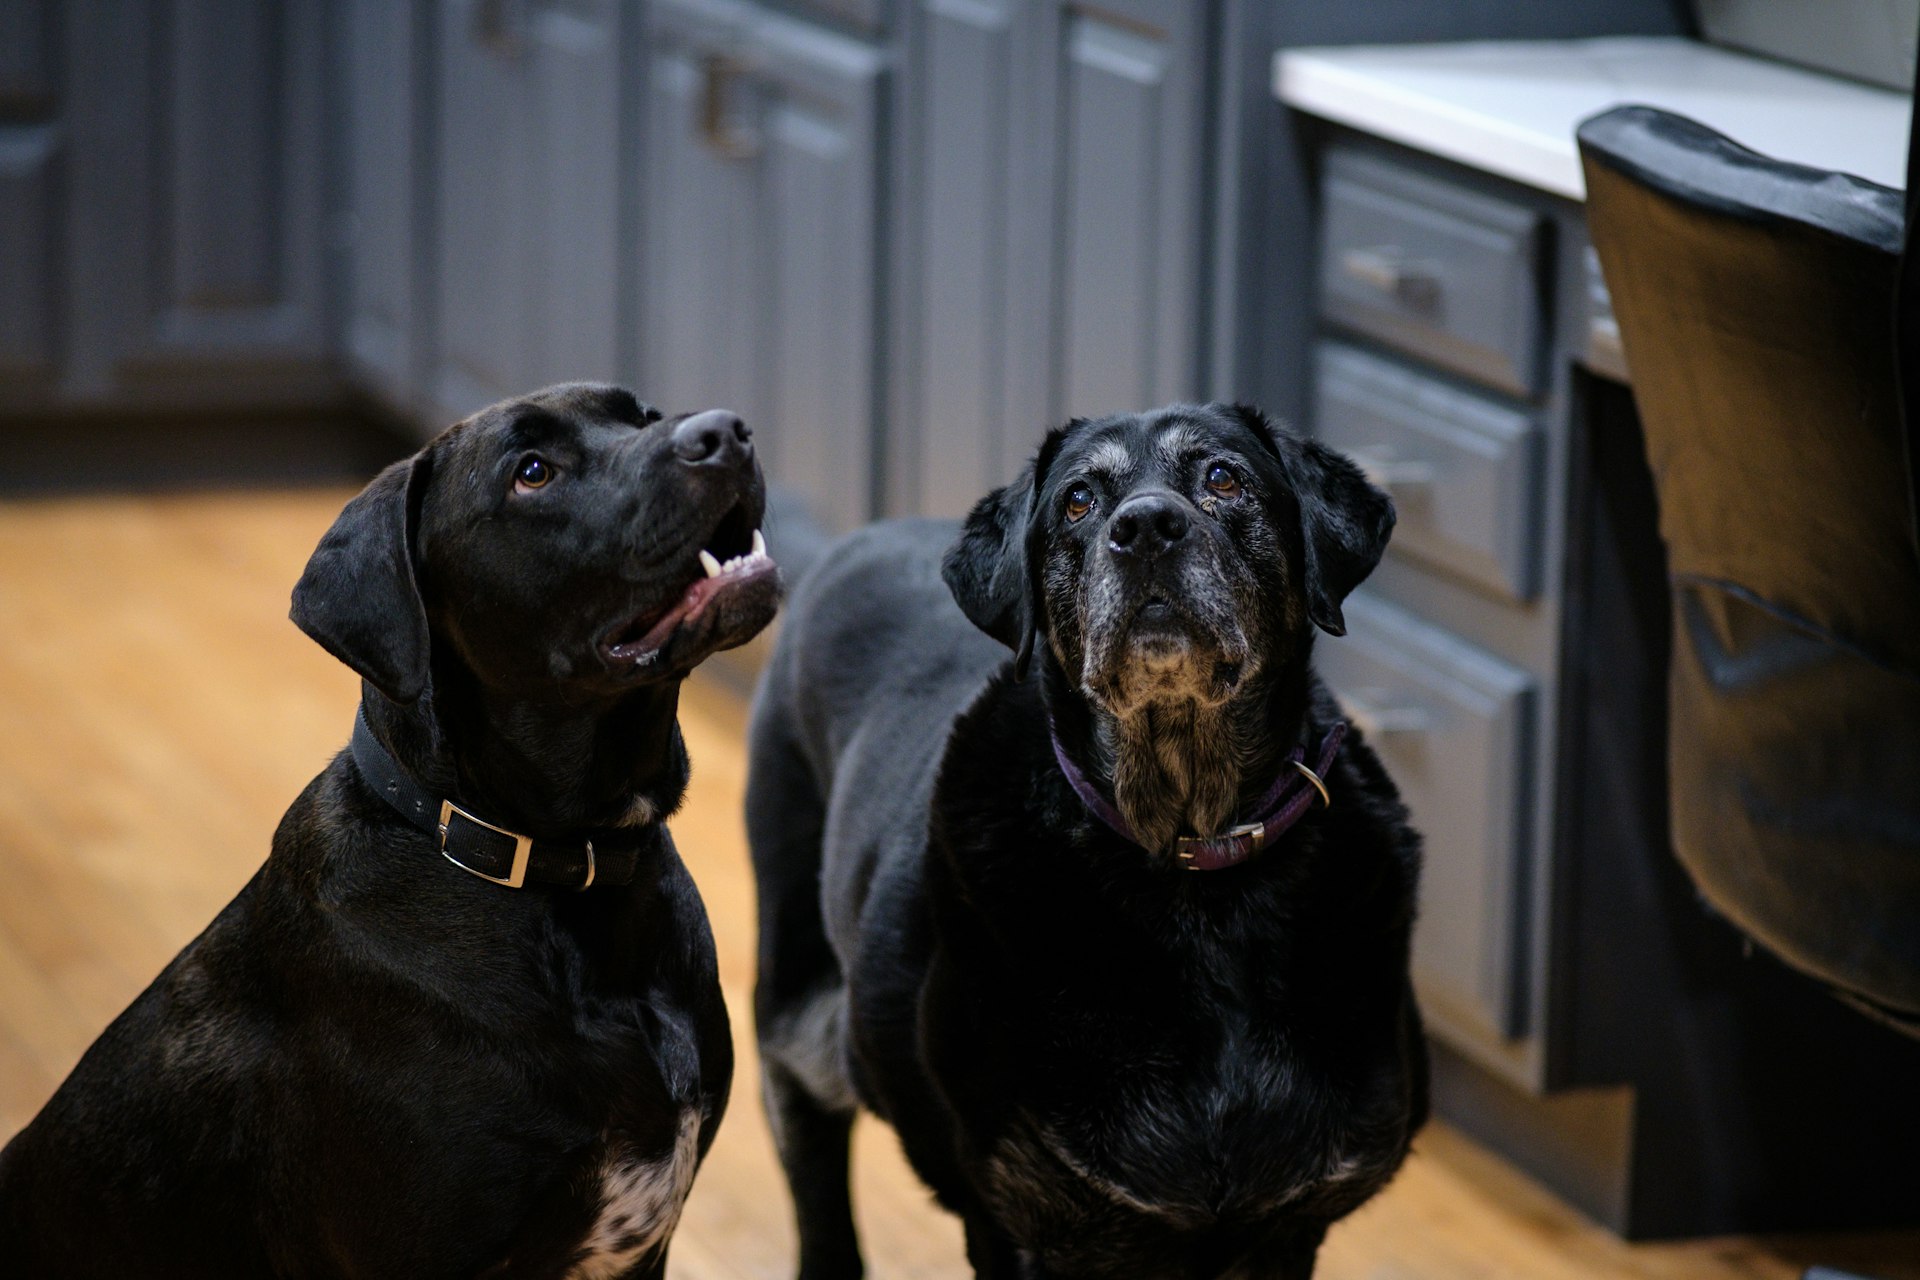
point(1756, 302)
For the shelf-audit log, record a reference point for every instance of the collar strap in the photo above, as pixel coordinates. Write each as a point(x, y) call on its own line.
point(1290, 796)
point(480, 848)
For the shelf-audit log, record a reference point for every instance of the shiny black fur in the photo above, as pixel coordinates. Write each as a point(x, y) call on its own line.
point(372, 1063)
point(1105, 1064)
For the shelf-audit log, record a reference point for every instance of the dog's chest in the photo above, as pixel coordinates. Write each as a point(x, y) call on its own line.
point(1237, 1134)
point(640, 1199)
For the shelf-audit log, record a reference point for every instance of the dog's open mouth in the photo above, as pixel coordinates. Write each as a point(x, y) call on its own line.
point(733, 561)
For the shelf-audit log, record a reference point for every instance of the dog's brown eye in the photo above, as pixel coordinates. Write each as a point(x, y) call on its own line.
point(1079, 501)
point(533, 473)
point(1221, 480)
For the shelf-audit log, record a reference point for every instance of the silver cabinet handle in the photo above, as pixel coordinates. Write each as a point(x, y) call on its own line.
point(499, 27)
point(1385, 471)
point(1391, 271)
point(1377, 717)
point(722, 132)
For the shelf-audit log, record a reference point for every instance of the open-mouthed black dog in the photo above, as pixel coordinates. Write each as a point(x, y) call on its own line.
point(374, 1062)
point(988, 908)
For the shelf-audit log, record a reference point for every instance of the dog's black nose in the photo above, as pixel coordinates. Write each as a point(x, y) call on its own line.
point(1147, 524)
point(713, 438)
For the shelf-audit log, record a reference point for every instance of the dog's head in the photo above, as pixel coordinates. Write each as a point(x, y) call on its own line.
point(1169, 556)
point(572, 544)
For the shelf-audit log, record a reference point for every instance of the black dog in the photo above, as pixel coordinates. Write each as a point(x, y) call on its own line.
point(374, 1062)
point(1138, 1054)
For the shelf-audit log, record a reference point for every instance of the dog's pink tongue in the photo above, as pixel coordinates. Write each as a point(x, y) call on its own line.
point(687, 607)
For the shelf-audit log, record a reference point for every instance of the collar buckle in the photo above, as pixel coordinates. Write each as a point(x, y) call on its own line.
point(516, 876)
point(1241, 842)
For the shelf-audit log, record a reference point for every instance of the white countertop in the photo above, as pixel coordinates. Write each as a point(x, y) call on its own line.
point(1510, 107)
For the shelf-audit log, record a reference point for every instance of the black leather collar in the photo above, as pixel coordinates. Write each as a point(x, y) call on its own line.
point(491, 852)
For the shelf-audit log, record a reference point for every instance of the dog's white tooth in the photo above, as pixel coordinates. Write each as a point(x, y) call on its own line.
point(709, 563)
point(759, 544)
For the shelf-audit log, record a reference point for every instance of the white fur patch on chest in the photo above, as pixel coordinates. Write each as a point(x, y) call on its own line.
point(640, 1202)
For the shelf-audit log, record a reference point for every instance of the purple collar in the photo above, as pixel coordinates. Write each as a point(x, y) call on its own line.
point(1291, 794)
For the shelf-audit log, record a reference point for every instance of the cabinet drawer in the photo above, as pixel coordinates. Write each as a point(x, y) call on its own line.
point(1452, 724)
point(1448, 274)
point(1464, 472)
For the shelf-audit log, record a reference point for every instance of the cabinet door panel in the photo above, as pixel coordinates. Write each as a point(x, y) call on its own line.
point(483, 219)
point(702, 294)
point(1129, 215)
point(219, 140)
point(577, 168)
point(961, 235)
point(385, 190)
point(762, 240)
point(31, 143)
point(161, 204)
point(820, 229)
point(236, 137)
point(29, 176)
point(528, 218)
point(1453, 726)
point(194, 213)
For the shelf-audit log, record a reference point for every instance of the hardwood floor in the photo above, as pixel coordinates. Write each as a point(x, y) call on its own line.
point(159, 712)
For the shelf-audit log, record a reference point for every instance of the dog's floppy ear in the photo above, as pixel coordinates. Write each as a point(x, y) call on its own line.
point(1344, 520)
point(993, 568)
point(359, 597)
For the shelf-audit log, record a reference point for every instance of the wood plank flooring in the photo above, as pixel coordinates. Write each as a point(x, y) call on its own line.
point(157, 714)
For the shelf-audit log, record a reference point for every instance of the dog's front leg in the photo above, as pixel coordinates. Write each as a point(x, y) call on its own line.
point(813, 1139)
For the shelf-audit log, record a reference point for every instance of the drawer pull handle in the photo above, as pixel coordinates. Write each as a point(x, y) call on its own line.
point(1392, 272)
point(727, 138)
point(499, 27)
point(1380, 719)
point(1385, 471)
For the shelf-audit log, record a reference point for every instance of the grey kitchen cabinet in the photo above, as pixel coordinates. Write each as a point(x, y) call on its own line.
point(1508, 660)
point(973, 249)
point(161, 179)
point(31, 154)
point(1431, 371)
point(529, 108)
point(1129, 165)
point(386, 66)
point(761, 259)
point(1050, 229)
point(1452, 725)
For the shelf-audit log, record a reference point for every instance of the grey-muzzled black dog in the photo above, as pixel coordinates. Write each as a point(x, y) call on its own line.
point(1132, 992)
point(375, 1061)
